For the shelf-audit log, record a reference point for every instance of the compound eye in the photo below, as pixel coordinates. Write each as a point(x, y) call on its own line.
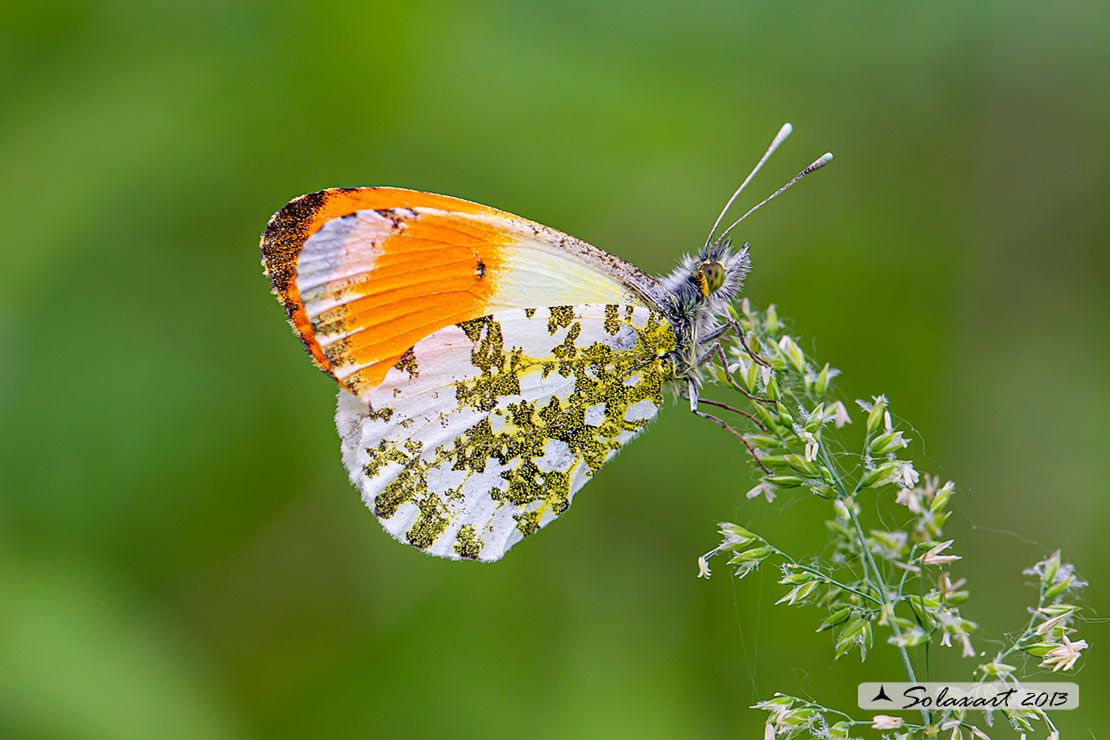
point(714, 275)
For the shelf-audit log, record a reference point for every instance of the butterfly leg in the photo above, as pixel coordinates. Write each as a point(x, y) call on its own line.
point(734, 326)
point(720, 331)
point(733, 409)
point(744, 342)
point(724, 425)
point(719, 350)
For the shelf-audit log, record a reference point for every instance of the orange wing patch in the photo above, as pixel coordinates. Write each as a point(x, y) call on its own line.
point(363, 276)
point(428, 273)
point(291, 227)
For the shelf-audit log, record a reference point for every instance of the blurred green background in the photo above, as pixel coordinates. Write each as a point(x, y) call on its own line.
point(180, 552)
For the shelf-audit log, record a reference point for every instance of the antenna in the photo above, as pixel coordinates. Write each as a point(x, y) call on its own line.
point(779, 138)
point(820, 162)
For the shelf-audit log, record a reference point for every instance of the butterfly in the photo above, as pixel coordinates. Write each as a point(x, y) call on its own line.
point(488, 366)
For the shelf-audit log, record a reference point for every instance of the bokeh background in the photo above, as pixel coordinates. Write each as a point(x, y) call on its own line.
point(180, 552)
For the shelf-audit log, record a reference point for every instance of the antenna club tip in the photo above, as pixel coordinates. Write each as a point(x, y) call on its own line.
point(818, 163)
point(787, 129)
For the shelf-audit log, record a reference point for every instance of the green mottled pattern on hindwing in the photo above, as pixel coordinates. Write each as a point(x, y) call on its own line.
point(384, 414)
point(612, 319)
point(467, 543)
point(500, 372)
point(430, 524)
point(593, 387)
point(406, 485)
point(561, 316)
point(408, 363)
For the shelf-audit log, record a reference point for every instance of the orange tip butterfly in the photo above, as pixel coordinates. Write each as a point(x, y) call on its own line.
point(488, 366)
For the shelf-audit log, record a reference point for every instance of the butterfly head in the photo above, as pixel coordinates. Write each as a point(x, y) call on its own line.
point(719, 272)
point(701, 288)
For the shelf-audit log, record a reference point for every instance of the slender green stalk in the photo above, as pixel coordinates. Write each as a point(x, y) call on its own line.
point(789, 442)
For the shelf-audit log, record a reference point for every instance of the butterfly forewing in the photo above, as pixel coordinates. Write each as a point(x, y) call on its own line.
point(366, 273)
point(482, 433)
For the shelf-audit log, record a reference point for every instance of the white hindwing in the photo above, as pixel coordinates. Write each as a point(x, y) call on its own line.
point(484, 431)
